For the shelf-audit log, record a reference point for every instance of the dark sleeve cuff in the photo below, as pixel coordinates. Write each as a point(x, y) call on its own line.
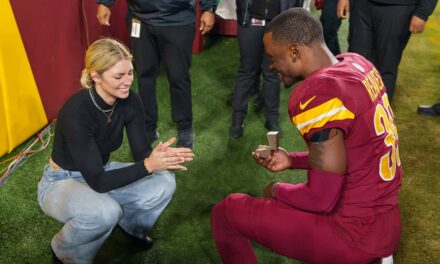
point(107, 3)
point(208, 5)
point(140, 165)
point(421, 16)
point(425, 8)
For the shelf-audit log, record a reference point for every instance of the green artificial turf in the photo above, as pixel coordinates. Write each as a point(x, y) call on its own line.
point(222, 166)
point(419, 83)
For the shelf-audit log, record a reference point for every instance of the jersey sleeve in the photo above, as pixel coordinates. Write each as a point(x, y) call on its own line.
point(319, 104)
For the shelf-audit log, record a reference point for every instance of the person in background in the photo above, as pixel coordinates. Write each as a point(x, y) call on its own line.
point(80, 187)
point(380, 29)
point(330, 24)
point(164, 31)
point(347, 211)
point(430, 110)
point(252, 18)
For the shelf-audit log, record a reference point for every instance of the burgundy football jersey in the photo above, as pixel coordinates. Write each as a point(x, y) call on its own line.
point(351, 96)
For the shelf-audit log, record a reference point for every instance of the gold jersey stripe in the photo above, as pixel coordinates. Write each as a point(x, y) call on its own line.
point(318, 116)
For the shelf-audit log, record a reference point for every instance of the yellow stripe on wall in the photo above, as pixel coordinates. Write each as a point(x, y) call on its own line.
point(21, 110)
point(318, 116)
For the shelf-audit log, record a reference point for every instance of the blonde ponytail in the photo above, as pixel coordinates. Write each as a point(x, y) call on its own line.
point(86, 79)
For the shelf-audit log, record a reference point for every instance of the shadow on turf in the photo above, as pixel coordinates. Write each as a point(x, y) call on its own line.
point(118, 248)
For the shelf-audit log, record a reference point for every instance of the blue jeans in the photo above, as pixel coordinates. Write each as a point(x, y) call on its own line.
point(89, 216)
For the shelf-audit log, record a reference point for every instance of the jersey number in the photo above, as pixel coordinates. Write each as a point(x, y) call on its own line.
point(384, 123)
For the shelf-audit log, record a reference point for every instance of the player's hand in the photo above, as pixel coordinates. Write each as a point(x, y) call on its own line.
point(103, 15)
point(278, 160)
point(268, 191)
point(206, 22)
point(343, 9)
point(164, 157)
point(417, 25)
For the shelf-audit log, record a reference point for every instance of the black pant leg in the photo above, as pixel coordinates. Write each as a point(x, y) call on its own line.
point(146, 55)
point(330, 24)
point(271, 92)
point(391, 36)
point(176, 44)
point(361, 31)
point(250, 42)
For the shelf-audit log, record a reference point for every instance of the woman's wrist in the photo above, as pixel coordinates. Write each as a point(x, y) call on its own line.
point(148, 166)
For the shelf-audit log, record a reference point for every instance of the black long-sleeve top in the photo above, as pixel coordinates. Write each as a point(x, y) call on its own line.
point(84, 140)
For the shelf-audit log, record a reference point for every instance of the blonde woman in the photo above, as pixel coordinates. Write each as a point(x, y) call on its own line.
point(80, 187)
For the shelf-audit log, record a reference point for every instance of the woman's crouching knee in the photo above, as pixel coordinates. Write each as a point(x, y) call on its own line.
point(105, 216)
point(167, 184)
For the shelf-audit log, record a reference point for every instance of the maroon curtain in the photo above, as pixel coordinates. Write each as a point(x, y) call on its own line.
point(55, 36)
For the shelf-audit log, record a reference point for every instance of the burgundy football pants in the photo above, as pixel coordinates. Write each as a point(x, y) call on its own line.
point(239, 218)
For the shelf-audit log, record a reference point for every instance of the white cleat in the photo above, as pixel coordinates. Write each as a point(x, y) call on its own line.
point(387, 260)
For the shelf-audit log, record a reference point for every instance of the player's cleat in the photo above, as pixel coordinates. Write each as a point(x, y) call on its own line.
point(387, 260)
point(431, 110)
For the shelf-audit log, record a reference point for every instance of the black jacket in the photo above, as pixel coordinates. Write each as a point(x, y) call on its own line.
point(164, 12)
point(423, 10)
point(244, 13)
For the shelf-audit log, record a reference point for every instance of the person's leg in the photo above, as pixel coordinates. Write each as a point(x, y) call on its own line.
point(258, 103)
point(143, 201)
point(250, 48)
point(88, 216)
point(361, 31)
point(330, 24)
point(392, 35)
point(146, 53)
point(176, 44)
point(304, 236)
point(271, 96)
